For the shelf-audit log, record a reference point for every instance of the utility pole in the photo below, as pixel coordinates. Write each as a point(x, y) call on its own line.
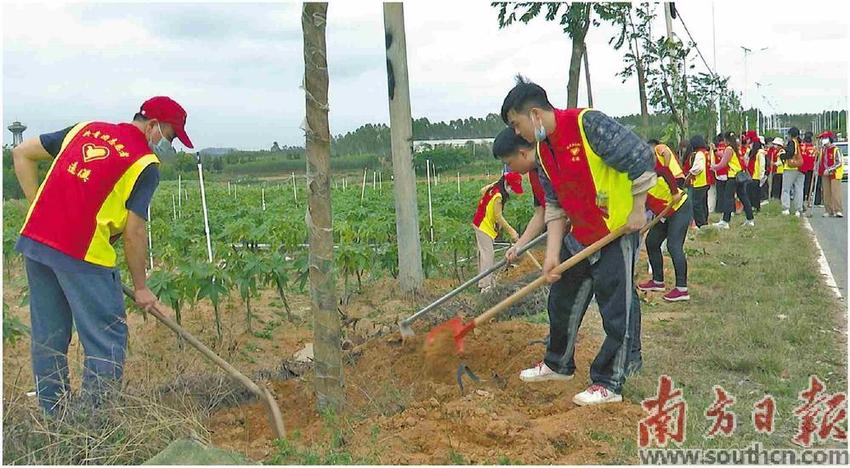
point(714, 50)
point(747, 51)
point(410, 274)
point(674, 70)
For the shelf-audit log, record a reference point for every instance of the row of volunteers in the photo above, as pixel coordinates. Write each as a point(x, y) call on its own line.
point(742, 170)
point(590, 176)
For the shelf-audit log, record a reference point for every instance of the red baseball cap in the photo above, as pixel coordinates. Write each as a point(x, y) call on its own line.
point(514, 180)
point(165, 109)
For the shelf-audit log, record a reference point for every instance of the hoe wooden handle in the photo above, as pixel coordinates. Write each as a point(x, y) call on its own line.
point(566, 265)
point(260, 392)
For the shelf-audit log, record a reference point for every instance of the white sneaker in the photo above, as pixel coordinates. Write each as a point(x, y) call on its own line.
point(541, 372)
point(786, 212)
point(838, 214)
point(797, 214)
point(764, 202)
point(826, 215)
point(750, 222)
point(596, 395)
point(721, 225)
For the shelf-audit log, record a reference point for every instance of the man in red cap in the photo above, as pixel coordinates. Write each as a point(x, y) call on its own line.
point(98, 189)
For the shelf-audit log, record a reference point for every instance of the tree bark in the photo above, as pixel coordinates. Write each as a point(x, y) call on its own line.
point(410, 275)
point(641, 79)
point(326, 322)
point(576, 56)
point(587, 78)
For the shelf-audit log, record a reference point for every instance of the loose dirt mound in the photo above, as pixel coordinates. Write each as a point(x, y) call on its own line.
point(404, 406)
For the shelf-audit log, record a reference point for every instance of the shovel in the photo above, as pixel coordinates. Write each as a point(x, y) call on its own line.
point(404, 325)
point(459, 330)
point(275, 417)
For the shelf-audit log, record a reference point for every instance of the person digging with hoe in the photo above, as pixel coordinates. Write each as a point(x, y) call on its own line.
point(98, 188)
point(596, 174)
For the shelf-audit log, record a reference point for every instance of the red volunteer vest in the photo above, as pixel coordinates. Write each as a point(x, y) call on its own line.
point(537, 188)
point(79, 208)
point(808, 151)
point(481, 212)
point(827, 160)
point(592, 194)
point(689, 163)
point(718, 155)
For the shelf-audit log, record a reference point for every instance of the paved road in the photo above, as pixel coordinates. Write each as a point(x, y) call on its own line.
point(832, 236)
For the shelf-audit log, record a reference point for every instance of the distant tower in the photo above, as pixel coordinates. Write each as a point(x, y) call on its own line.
point(17, 130)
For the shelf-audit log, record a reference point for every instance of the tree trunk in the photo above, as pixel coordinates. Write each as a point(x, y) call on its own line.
point(326, 323)
point(641, 79)
point(576, 56)
point(410, 274)
point(587, 78)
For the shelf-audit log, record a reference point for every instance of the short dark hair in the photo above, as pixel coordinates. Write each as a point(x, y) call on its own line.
point(794, 132)
point(507, 142)
point(523, 96)
point(139, 117)
point(807, 137)
point(718, 138)
point(653, 141)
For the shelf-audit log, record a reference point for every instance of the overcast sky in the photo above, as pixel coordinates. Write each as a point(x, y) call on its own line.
point(237, 67)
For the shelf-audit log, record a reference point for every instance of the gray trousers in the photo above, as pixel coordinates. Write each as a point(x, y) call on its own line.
point(92, 301)
point(611, 279)
point(792, 186)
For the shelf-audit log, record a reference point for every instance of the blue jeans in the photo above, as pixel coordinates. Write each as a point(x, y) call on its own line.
point(610, 277)
point(58, 300)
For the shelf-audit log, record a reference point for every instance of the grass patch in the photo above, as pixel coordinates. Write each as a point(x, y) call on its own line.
point(125, 430)
point(760, 321)
point(456, 458)
point(268, 330)
point(539, 317)
point(332, 450)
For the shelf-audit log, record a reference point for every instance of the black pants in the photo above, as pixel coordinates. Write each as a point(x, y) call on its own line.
point(776, 191)
point(720, 190)
point(611, 279)
point(674, 229)
point(730, 190)
point(754, 192)
point(765, 190)
point(700, 205)
point(807, 184)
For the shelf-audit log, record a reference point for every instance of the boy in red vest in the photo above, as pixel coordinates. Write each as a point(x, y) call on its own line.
point(99, 187)
point(596, 173)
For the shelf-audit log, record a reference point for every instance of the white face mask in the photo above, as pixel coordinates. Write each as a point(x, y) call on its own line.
point(539, 130)
point(163, 147)
point(824, 141)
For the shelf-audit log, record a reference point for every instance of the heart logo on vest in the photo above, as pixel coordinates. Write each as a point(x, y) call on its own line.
point(93, 152)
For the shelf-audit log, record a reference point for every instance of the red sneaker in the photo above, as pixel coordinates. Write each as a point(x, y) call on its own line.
point(676, 295)
point(651, 285)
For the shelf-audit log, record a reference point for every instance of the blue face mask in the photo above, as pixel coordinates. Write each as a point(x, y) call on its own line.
point(163, 148)
point(539, 130)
